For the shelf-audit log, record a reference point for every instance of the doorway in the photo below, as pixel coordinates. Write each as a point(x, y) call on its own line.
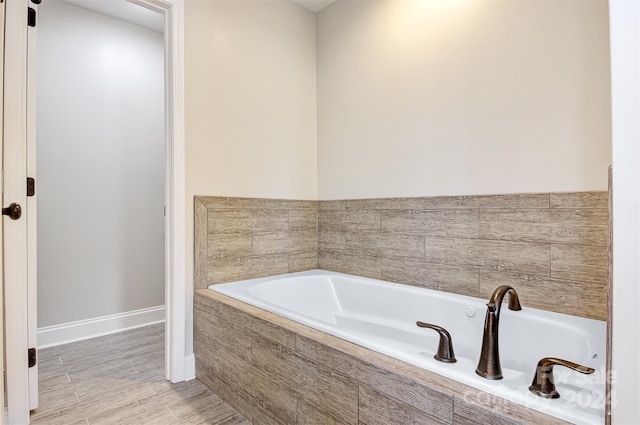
point(15, 138)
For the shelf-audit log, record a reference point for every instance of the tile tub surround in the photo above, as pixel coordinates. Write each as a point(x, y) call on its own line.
point(276, 371)
point(551, 247)
point(245, 238)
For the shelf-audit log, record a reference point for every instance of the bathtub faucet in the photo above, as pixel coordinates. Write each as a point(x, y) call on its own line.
point(489, 363)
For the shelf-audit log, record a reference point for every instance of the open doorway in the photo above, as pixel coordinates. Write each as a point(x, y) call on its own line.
point(101, 173)
point(19, 154)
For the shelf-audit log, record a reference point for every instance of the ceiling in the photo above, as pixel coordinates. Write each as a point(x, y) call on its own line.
point(315, 5)
point(125, 11)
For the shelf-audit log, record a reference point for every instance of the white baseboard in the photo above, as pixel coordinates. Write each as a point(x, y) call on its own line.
point(189, 367)
point(84, 329)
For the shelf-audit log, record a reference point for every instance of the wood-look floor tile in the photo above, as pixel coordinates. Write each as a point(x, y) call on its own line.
point(205, 408)
point(125, 385)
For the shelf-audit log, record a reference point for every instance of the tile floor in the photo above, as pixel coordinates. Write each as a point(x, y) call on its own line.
point(119, 379)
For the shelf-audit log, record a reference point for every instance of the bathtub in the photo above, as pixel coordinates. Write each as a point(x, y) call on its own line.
point(382, 316)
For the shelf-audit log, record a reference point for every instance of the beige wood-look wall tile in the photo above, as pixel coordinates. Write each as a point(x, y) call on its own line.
point(580, 200)
point(233, 370)
point(259, 326)
point(386, 204)
point(422, 397)
point(301, 261)
point(350, 264)
point(582, 263)
point(216, 202)
point(208, 304)
point(515, 224)
point(307, 414)
point(469, 414)
point(232, 269)
point(568, 226)
point(477, 407)
point(332, 205)
point(271, 243)
point(585, 299)
point(455, 279)
point(221, 245)
point(200, 244)
point(384, 244)
point(333, 358)
point(378, 409)
point(427, 399)
point(217, 334)
point(303, 240)
point(247, 221)
point(447, 202)
point(274, 394)
point(449, 223)
point(330, 240)
point(519, 257)
point(235, 396)
point(526, 200)
point(325, 389)
point(349, 220)
point(298, 204)
point(579, 227)
point(262, 417)
point(326, 347)
point(303, 219)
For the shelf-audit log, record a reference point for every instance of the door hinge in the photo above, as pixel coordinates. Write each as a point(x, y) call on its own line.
point(31, 17)
point(32, 357)
point(31, 186)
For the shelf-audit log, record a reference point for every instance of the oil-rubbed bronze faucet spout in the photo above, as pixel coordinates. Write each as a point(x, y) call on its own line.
point(489, 363)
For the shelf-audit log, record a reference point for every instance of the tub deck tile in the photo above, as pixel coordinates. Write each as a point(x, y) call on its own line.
point(398, 385)
point(322, 387)
point(379, 409)
point(259, 326)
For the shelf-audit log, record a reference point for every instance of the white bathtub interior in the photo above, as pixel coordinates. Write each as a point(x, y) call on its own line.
point(381, 316)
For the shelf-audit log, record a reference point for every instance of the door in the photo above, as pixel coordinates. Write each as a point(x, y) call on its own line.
point(2, 364)
point(31, 206)
point(15, 197)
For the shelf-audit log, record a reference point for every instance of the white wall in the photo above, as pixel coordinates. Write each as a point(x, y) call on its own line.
point(250, 105)
point(100, 152)
point(421, 98)
point(625, 93)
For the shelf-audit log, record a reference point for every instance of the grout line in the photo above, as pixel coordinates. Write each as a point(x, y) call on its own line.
point(77, 398)
point(68, 377)
point(173, 414)
point(60, 358)
point(154, 391)
point(87, 421)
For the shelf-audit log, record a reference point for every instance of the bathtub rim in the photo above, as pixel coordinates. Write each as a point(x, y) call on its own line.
point(404, 370)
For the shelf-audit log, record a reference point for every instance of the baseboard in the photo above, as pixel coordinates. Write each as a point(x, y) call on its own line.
point(84, 329)
point(189, 367)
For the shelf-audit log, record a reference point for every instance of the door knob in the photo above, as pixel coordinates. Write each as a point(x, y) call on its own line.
point(14, 211)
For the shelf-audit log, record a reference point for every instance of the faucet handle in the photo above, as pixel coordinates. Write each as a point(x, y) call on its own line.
point(445, 346)
point(543, 384)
